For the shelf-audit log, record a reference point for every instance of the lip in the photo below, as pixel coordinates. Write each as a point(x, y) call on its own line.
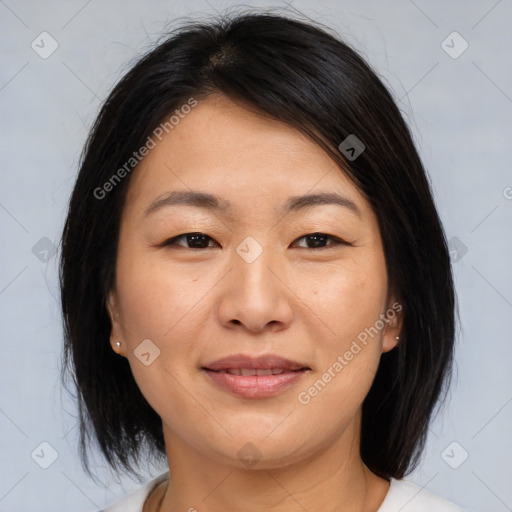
point(255, 386)
point(263, 362)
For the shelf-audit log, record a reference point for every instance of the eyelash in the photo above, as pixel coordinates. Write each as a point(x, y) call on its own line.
point(336, 241)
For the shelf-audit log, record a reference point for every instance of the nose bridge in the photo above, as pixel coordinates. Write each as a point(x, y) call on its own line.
point(255, 295)
point(251, 262)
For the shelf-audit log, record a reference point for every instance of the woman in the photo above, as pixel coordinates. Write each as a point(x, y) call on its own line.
point(255, 282)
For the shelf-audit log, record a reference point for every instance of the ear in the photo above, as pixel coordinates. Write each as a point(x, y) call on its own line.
point(116, 331)
point(393, 325)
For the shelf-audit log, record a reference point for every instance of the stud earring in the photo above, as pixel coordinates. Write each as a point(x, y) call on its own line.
point(397, 337)
point(118, 343)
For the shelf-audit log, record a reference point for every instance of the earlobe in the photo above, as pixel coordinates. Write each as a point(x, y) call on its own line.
point(116, 347)
point(389, 342)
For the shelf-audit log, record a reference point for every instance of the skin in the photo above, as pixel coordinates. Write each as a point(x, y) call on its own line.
point(200, 304)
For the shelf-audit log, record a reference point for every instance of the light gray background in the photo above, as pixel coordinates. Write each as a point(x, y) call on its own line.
point(459, 110)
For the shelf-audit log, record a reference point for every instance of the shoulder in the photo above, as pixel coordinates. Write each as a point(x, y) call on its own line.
point(405, 496)
point(134, 501)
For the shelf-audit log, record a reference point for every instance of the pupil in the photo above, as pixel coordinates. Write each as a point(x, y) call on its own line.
point(317, 240)
point(196, 240)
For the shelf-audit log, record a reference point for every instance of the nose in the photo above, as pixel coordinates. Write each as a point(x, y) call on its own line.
point(255, 296)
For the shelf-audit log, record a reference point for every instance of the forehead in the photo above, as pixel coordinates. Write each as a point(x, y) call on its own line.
point(223, 148)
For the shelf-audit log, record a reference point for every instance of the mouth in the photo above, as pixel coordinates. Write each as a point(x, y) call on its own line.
point(254, 377)
point(250, 372)
point(245, 362)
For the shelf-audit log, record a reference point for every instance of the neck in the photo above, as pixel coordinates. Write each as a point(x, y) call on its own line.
point(333, 478)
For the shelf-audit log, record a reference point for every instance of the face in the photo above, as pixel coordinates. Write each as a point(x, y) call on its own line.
point(263, 273)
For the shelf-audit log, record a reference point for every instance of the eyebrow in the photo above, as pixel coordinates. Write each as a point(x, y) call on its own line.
point(215, 203)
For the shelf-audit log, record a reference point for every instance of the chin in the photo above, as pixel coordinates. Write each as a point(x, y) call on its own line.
point(261, 451)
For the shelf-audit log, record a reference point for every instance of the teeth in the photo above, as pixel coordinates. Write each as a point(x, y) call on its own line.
point(247, 372)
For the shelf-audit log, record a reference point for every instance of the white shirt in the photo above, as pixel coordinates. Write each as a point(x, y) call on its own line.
point(402, 496)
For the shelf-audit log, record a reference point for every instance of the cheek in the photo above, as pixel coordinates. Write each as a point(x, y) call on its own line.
point(350, 305)
point(347, 363)
point(162, 304)
point(157, 298)
point(351, 298)
point(157, 305)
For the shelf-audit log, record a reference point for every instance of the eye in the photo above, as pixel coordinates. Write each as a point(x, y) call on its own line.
point(192, 241)
point(201, 241)
point(319, 240)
